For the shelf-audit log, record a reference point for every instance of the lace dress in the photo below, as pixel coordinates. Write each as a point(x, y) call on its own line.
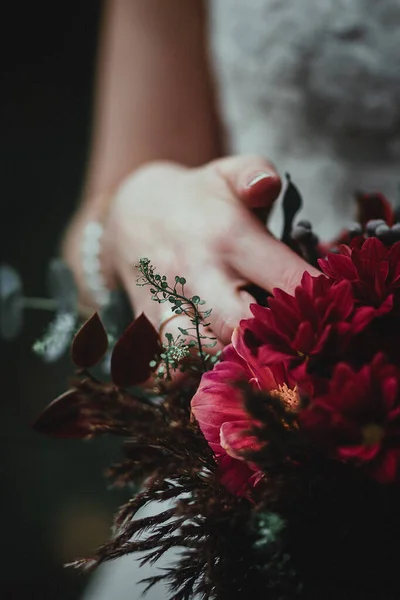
point(315, 86)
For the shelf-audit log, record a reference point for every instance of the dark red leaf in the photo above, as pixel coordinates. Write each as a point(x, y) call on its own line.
point(132, 354)
point(90, 343)
point(62, 417)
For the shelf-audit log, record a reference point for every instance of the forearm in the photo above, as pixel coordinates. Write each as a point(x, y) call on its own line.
point(154, 97)
point(154, 101)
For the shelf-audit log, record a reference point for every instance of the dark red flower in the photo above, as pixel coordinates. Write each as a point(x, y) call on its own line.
point(293, 328)
point(372, 269)
point(381, 335)
point(358, 419)
point(373, 205)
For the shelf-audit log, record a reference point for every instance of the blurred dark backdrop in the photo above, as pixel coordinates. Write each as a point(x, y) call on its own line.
point(54, 501)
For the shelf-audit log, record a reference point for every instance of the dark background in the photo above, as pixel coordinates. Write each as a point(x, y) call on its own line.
point(54, 501)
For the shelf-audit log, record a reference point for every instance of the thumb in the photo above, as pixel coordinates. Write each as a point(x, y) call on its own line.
point(252, 178)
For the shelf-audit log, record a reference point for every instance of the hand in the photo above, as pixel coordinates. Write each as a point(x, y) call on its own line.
point(197, 223)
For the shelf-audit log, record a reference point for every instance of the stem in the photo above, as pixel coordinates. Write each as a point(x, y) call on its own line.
point(147, 273)
point(197, 325)
point(198, 320)
point(40, 303)
point(51, 305)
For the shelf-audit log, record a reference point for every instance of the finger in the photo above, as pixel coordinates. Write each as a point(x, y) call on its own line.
point(253, 179)
point(225, 318)
point(229, 305)
point(264, 260)
point(139, 296)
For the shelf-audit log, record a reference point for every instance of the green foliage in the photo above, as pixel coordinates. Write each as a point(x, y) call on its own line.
point(191, 343)
point(272, 558)
point(269, 527)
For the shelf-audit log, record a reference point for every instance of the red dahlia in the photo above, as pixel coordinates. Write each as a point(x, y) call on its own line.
point(372, 269)
point(294, 328)
point(358, 419)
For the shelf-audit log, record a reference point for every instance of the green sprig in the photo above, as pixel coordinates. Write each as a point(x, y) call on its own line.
point(177, 349)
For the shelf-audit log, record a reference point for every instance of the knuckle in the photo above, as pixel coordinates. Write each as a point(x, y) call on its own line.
point(254, 157)
point(225, 231)
point(265, 161)
point(236, 235)
point(232, 227)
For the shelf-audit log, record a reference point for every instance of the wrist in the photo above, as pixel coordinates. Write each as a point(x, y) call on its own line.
point(84, 251)
point(85, 248)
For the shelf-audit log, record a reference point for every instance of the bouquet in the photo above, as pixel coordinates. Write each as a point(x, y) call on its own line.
point(277, 461)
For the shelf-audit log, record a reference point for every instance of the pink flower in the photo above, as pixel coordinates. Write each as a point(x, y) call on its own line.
point(218, 408)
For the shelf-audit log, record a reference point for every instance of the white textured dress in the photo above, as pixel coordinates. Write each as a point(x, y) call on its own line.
point(315, 86)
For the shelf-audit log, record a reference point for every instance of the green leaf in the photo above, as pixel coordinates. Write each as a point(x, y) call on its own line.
point(184, 331)
point(196, 299)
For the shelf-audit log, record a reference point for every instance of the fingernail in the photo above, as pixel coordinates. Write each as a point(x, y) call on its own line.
point(259, 177)
point(263, 189)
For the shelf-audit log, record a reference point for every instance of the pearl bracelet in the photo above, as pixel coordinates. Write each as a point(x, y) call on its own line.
point(90, 255)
